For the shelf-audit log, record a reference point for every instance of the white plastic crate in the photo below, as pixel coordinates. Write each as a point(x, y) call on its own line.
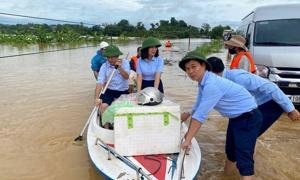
point(143, 130)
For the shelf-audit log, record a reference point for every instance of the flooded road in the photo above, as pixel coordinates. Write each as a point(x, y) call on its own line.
point(45, 100)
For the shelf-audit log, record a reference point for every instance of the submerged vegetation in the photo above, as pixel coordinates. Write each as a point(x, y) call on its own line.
point(23, 34)
point(213, 47)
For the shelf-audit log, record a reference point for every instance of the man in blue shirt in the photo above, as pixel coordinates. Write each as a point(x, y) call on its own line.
point(118, 84)
point(271, 101)
point(98, 59)
point(230, 100)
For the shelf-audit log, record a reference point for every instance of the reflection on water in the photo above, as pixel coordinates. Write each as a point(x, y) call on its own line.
point(46, 99)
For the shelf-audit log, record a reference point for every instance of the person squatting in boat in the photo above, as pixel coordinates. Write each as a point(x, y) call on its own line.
point(117, 85)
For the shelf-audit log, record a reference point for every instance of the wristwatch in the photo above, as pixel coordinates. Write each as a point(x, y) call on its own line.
point(117, 66)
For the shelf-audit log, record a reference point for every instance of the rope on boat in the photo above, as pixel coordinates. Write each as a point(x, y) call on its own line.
point(173, 167)
point(153, 159)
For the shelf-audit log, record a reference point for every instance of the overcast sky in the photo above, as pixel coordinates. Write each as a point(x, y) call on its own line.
point(194, 12)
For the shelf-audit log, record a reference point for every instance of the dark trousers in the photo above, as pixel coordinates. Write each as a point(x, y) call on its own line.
point(150, 83)
point(110, 95)
point(270, 111)
point(242, 133)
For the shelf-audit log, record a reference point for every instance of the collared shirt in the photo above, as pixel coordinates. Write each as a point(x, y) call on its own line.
point(262, 89)
point(117, 82)
point(97, 61)
point(228, 98)
point(148, 68)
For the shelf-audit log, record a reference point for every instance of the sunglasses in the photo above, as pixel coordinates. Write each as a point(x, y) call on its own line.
point(227, 37)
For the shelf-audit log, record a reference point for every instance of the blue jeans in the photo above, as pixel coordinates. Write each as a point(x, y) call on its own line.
point(242, 133)
point(270, 111)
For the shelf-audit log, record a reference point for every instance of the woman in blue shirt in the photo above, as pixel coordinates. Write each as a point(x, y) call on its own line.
point(150, 66)
point(230, 100)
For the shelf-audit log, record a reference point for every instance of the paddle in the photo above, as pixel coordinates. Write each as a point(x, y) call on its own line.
point(79, 138)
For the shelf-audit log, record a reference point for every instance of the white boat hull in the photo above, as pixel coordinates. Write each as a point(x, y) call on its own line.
point(162, 167)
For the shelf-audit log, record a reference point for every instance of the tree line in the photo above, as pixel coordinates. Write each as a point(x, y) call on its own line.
point(65, 33)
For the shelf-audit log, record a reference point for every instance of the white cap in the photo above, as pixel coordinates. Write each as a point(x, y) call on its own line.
point(103, 45)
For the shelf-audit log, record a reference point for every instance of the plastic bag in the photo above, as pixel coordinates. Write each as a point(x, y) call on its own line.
point(108, 115)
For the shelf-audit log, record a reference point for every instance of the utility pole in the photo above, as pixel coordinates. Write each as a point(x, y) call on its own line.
point(111, 36)
point(110, 30)
point(189, 44)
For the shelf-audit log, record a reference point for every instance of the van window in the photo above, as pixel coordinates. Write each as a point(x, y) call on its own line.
point(284, 32)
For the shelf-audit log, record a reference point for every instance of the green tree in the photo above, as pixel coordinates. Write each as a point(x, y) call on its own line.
point(64, 33)
point(181, 23)
point(152, 26)
point(206, 29)
point(217, 32)
point(173, 21)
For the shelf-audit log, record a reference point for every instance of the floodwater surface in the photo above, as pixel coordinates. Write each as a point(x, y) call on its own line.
point(45, 100)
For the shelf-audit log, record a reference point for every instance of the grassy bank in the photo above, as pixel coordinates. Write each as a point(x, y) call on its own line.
point(213, 47)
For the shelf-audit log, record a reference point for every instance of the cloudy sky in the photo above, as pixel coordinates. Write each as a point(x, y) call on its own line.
point(194, 12)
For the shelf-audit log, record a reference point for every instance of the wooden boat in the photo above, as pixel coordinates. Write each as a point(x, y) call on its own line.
point(111, 165)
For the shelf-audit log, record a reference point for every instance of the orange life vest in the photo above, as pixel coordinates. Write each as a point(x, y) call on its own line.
point(237, 58)
point(135, 61)
point(168, 44)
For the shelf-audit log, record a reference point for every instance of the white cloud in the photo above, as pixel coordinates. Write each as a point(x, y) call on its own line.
point(6, 5)
point(194, 12)
point(128, 5)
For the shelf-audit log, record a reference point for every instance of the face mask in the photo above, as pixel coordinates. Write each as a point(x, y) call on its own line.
point(232, 51)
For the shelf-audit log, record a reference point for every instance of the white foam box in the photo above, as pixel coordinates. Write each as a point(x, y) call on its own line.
point(145, 130)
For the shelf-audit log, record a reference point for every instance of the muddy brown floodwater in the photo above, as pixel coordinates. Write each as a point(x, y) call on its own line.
point(45, 99)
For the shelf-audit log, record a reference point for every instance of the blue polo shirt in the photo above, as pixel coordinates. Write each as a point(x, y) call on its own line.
point(262, 89)
point(228, 98)
point(148, 68)
point(117, 82)
point(97, 61)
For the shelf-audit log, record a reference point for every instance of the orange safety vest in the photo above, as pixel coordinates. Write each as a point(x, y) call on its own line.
point(135, 61)
point(168, 44)
point(237, 58)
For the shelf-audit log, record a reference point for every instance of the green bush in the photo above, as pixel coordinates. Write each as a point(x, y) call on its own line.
point(213, 47)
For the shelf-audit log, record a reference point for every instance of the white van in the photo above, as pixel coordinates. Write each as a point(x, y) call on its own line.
point(273, 38)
